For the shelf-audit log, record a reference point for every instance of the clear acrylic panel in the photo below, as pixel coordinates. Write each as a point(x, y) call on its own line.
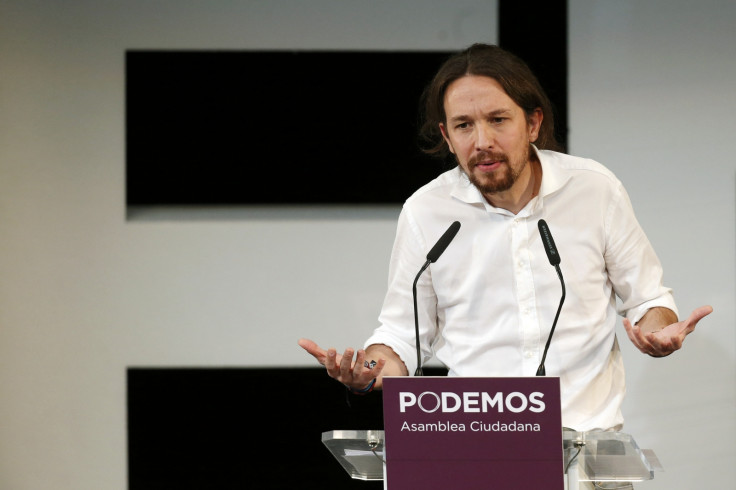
point(606, 456)
point(360, 452)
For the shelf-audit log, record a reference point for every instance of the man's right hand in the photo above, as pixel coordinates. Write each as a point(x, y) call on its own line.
point(355, 375)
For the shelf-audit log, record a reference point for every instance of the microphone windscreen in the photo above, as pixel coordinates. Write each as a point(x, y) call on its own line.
point(443, 242)
point(549, 243)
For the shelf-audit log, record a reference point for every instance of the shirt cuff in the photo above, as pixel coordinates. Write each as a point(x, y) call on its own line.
point(406, 352)
point(665, 301)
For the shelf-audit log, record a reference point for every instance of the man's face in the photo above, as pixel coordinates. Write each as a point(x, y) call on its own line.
point(488, 133)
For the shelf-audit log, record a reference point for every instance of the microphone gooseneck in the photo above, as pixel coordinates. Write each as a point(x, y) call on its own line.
point(554, 259)
point(432, 257)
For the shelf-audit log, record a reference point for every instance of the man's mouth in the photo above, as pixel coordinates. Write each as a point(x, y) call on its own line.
point(488, 164)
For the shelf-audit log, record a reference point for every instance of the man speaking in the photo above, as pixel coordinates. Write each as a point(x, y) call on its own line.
point(487, 306)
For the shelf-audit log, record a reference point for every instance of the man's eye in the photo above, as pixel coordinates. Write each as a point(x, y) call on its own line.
point(462, 126)
point(498, 120)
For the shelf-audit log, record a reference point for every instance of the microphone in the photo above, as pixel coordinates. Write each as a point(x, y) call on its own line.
point(549, 243)
point(554, 259)
point(432, 257)
point(443, 242)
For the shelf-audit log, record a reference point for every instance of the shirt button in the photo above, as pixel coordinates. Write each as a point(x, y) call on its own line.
point(528, 354)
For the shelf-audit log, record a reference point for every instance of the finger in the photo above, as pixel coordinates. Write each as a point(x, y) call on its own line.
point(629, 331)
point(636, 337)
point(331, 362)
point(664, 344)
point(367, 373)
point(648, 343)
point(374, 371)
point(346, 364)
point(313, 349)
point(362, 373)
point(359, 363)
point(697, 315)
point(378, 368)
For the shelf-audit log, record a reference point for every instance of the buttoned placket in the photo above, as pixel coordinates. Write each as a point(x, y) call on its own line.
point(529, 330)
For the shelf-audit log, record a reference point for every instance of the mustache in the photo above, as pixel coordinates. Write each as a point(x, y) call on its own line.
point(486, 156)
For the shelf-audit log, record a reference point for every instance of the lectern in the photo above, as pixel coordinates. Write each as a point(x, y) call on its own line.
point(477, 433)
point(603, 458)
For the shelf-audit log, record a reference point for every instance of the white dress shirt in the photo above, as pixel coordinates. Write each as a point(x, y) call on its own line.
point(487, 305)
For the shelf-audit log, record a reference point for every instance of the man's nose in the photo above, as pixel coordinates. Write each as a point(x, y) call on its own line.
point(485, 137)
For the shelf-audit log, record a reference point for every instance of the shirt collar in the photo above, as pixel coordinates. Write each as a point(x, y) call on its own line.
point(553, 179)
point(465, 191)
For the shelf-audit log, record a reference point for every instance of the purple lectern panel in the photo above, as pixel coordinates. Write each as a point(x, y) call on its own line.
point(472, 433)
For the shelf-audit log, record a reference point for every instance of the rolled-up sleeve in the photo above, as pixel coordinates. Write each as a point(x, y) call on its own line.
point(396, 328)
point(633, 267)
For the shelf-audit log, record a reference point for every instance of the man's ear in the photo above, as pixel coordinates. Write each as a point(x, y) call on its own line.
point(534, 123)
point(447, 140)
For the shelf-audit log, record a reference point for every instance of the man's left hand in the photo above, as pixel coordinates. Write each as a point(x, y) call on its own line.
point(659, 342)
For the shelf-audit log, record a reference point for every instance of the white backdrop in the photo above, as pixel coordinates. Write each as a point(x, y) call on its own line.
point(651, 96)
point(84, 293)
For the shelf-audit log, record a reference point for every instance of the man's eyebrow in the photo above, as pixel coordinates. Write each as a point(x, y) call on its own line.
point(499, 112)
point(458, 118)
point(493, 113)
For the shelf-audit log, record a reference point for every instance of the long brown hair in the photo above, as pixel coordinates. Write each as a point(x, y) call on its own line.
point(508, 70)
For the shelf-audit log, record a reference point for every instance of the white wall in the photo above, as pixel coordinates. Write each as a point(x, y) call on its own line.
point(85, 293)
point(652, 96)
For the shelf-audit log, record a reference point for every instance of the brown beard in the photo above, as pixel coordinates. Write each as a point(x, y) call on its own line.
point(502, 179)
